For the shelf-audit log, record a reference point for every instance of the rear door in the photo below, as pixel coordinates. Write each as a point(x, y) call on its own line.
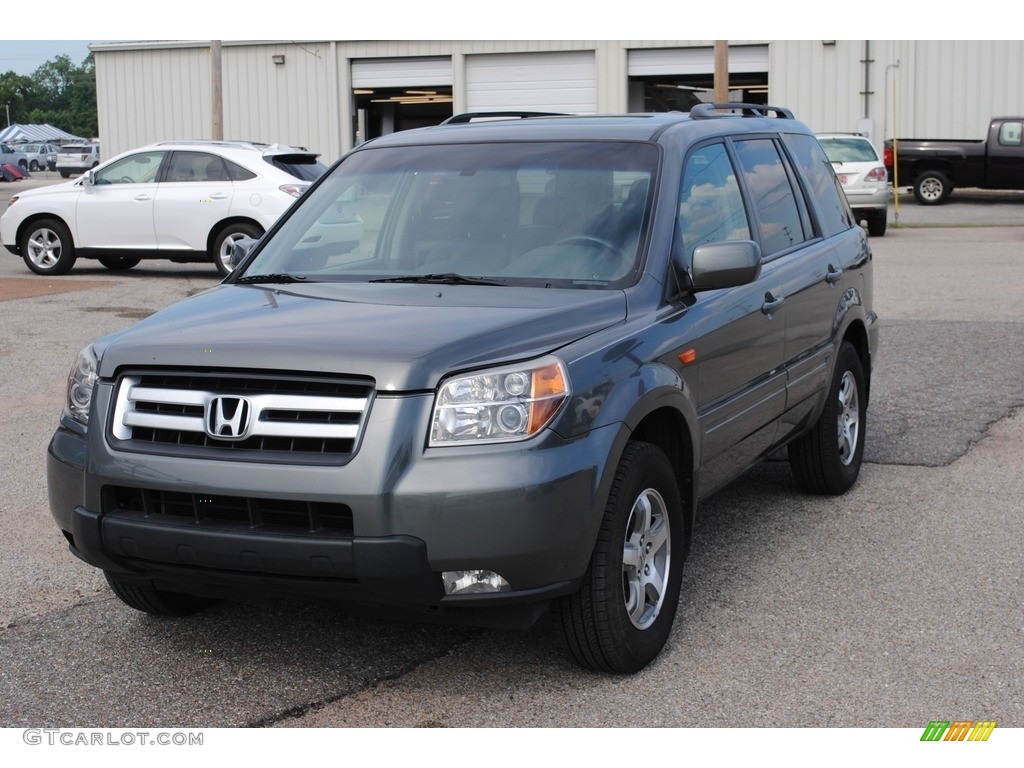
point(195, 195)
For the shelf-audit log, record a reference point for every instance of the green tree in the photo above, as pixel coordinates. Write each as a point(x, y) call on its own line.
point(58, 92)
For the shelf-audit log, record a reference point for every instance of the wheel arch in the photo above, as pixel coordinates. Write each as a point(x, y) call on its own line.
point(35, 217)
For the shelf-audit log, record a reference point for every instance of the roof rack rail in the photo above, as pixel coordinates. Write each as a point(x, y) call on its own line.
point(468, 117)
point(704, 111)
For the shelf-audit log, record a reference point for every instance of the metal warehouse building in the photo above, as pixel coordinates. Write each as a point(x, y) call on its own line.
point(330, 95)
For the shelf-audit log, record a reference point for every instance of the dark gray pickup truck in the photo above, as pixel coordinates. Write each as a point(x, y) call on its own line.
point(935, 167)
point(555, 336)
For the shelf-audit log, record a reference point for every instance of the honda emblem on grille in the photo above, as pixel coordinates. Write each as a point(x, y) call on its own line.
point(227, 418)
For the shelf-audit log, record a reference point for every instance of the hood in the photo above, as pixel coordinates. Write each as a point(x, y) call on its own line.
point(406, 337)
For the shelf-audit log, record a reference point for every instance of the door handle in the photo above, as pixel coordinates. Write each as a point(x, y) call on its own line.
point(832, 275)
point(771, 304)
point(219, 196)
point(142, 197)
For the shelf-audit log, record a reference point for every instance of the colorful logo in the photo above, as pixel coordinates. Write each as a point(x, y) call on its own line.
point(958, 730)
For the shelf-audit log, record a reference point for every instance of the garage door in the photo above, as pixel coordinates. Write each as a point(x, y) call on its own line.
point(695, 61)
point(401, 73)
point(554, 82)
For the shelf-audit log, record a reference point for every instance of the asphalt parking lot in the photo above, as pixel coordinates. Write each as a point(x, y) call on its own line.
point(897, 604)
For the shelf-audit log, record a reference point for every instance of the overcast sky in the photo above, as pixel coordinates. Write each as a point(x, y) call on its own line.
point(25, 56)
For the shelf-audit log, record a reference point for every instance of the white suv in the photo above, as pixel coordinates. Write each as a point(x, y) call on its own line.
point(77, 158)
point(184, 201)
point(863, 176)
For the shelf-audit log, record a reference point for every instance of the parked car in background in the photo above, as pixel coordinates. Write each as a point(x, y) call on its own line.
point(12, 156)
point(76, 158)
point(862, 173)
point(935, 167)
point(184, 201)
point(39, 156)
point(556, 337)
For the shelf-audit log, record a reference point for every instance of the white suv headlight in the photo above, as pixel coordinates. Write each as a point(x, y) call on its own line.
point(81, 385)
point(499, 405)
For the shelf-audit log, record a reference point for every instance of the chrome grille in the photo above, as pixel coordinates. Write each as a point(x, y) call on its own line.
point(255, 418)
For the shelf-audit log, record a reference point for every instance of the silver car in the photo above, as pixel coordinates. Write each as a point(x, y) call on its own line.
point(863, 176)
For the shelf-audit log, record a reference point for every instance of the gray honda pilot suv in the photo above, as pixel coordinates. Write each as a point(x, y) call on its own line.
point(556, 335)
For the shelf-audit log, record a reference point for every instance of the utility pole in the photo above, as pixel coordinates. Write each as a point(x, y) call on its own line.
point(216, 92)
point(721, 71)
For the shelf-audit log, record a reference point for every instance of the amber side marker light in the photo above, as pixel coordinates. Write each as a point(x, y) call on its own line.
point(688, 356)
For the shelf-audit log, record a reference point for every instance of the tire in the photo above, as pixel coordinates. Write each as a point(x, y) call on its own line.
point(144, 597)
point(877, 224)
point(932, 188)
point(65, 174)
point(33, 166)
point(827, 459)
point(46, 247)
point(220, 250)
point(23, 164)
point(119, 263)
point(621, 617)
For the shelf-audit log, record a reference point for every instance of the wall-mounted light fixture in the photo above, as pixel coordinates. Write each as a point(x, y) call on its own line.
point(277, 58)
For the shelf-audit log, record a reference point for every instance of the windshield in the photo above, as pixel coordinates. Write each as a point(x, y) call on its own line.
point(565, 214)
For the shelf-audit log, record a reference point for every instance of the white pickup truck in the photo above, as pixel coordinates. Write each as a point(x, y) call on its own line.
point(9, 155)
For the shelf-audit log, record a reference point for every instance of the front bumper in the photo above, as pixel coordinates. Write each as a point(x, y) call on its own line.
point(528, 511)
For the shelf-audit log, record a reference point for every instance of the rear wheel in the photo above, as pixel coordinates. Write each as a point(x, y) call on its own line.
point(827, 459)
point(932, 188)
point(220, 251)
point(144, 597)
point(877, 223)
point(33, 165)
point(119, 263)
point(46, 247)
point(622, 615)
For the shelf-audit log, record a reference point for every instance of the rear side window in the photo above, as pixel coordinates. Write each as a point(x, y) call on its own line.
point(833, 208)
point(710, 203)
point(772, 195)
point(1010, 134)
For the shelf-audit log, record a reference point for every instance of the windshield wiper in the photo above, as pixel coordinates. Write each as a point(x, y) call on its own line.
point(446, 278)
point(272, 278)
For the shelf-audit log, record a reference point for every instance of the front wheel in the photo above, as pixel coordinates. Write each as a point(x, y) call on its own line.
point(622, 615)
point(220, 251)
point(827, 459)
point(46, 247)
point(932, 188)
point(33, 165)
point(144, 597)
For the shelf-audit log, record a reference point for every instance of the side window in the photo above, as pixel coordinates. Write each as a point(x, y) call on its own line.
point(196, 166)
point(710, 203)
point(237, 172)
point(772, 194)
point(1010, 134)
point(134, 169)
point(833, 208)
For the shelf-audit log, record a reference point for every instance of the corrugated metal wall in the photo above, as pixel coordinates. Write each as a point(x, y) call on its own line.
point(940, 89)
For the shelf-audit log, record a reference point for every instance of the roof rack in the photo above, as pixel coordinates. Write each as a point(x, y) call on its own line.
point(468, 117)
point(705, 111)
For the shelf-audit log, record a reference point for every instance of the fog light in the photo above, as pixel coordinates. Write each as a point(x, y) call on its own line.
point(473, 582)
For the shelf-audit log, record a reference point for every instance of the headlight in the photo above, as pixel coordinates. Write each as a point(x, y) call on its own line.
point(81, 384)
point(503, 404)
